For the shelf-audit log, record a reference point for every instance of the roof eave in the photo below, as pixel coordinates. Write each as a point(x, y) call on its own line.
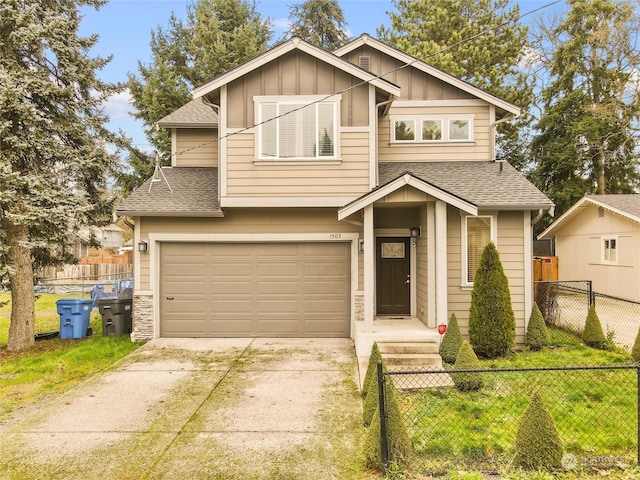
point(155, 213)
point(186, 125)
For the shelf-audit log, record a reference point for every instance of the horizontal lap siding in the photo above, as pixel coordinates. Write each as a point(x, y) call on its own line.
point(349, 177)
point(511, 248)
point(200, 147)
point(479, 149)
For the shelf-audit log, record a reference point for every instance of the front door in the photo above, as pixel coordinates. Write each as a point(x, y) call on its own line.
point(393, 290)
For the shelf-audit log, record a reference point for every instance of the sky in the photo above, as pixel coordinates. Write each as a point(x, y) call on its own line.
point(124, 28)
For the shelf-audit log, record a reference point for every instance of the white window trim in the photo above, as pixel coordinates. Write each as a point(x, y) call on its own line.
point(464, 266)
point(603, 250)
point(418, 119)
point(300, 100)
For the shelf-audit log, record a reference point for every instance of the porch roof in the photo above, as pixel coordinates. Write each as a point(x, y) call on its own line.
point(467, 185)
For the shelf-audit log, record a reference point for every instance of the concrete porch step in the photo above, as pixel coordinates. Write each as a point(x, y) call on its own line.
point(410, 354)
point(408, 347)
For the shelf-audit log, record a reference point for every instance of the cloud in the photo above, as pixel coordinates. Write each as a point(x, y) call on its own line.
point(119, 106)
point(530, 59)
point(282, 24)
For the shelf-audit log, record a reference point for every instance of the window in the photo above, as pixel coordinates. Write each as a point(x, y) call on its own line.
point(431, 129)
point(478, 232)
point(609, 250)
point(297, 129)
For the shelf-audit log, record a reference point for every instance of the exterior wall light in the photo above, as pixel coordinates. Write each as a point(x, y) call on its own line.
point(143, 247)
point(414, 232)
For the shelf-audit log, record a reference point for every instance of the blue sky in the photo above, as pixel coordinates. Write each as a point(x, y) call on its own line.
point(124, 28)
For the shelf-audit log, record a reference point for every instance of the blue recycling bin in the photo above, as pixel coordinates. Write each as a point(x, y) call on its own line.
point(75, 314)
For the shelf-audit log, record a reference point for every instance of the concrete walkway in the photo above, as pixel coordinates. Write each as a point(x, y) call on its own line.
point(201, 408)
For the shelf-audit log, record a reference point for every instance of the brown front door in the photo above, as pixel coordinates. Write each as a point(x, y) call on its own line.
point(393, 292)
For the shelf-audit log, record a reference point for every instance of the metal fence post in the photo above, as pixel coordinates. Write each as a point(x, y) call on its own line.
point(592, 297)
point(384, 447)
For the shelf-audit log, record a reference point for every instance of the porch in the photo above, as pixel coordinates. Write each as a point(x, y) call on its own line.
point(392, 329)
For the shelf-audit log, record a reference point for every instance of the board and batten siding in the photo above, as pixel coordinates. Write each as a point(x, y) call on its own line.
point(585, 233)
point(196, 147)
point(243, 221)
point(510, 244)
point(479, 149)
point(248, 177)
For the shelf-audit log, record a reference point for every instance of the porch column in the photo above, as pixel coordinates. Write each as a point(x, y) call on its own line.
point(431, 266)
point(369, 269)
point(441, 262)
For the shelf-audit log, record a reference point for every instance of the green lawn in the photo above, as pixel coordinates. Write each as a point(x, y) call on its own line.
point(53, 366)
point(595, 411)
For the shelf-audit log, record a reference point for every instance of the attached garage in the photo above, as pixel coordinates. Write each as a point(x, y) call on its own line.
point(255, 289)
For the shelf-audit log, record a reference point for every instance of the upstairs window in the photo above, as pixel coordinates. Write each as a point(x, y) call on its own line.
point(297, 129)
point(431, 129)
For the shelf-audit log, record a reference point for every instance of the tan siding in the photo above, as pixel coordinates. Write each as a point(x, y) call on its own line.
point(511, 247)
point(242, 220)
point(584, 234)
point(479, 149)
point(246, 178)
point(296, 73)
point(199, 146)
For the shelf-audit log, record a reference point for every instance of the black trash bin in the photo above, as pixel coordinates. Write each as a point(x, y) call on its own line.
point(116, 316)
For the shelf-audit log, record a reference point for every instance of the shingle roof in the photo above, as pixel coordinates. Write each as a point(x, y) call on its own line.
point(484, 184)
point(195, 114)
point(625, 203)
point(195, 193)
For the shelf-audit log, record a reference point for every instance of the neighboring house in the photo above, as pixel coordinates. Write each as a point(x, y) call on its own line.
point(312, 194)
point(110, 236)
point(598, 239)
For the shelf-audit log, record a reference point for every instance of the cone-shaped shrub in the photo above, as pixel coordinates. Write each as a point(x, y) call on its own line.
point(538, 444)
point(537, 335)
point(593, 334)
point(372, 397)
point(467, 360)
point(635, 351)
point(451, 341)
point(399, 444)
point(371, 368)
point(492, 325)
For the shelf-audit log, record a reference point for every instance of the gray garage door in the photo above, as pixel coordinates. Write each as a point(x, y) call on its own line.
point(255, 289)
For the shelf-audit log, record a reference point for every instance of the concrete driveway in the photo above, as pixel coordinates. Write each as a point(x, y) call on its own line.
point(201, 408)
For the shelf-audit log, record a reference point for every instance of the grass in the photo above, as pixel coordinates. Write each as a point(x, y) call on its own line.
point(595, 411)
point(53, 366)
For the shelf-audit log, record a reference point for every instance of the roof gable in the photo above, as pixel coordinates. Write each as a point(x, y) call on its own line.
point(284, 48)
point(195, 114)
point(625, 205)
point(366, 40)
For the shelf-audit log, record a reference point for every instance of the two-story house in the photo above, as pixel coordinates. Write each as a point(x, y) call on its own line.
point(318, 194)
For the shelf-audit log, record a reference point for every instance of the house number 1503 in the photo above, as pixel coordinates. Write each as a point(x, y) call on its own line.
point(335, 236)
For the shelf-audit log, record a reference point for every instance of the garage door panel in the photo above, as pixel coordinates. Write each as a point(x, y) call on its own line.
point(260, 289)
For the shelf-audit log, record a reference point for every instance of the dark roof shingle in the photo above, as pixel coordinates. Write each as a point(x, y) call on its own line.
point(195, 113)
point(195, 193)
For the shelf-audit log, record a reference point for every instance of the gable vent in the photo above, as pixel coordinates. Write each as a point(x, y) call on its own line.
point(364, 63)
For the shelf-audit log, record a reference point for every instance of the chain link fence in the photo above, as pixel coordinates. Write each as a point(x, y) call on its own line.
point(595, 410)
point(565, 304)
point(48, 292)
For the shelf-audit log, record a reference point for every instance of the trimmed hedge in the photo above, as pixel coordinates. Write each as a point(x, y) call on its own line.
point(371, 398)
point(492, 324)
point(538, 444)
point(593, 334)
point(537, 335)
point(635, 351)
point(371, 368)
point(451, 341)
point(467, 360)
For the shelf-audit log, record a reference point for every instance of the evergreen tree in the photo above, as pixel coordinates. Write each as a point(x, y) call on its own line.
point(53, 156)
point(451, 341)
point(467, 360)
point(492, 324)
point(319, 22)
point(635, 351)
point(217, 36)
point(537, 335)
point(423, 28)
point(593, 334)
point(587, 135)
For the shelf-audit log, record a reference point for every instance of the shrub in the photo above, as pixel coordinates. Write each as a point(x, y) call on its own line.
point(372, 397)
point(635, 351)
point(371, 368)
point(593, 334)
point(467, 360)
point(537, 336)
point(538, 444)
point(451, 341)
point(492, 325)
point(398, 442)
